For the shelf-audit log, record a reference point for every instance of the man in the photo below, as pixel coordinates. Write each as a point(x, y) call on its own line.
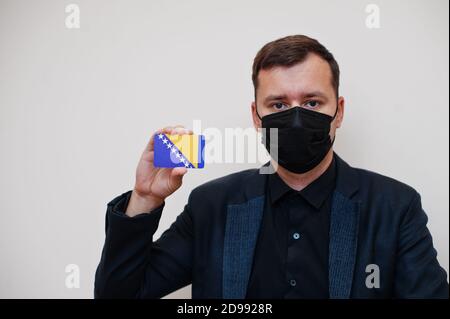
point(317, 228)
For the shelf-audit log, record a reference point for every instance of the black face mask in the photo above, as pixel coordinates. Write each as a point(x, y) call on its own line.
point(303, 137)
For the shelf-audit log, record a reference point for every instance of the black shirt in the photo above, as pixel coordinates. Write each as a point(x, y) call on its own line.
point(291, 255)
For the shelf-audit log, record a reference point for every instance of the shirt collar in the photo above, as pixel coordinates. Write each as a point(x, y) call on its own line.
point(315, 193)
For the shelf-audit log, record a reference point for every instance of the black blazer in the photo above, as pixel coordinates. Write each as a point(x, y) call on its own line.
point(375, 220)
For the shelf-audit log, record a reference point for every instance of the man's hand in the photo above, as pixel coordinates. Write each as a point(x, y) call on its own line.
point(154, 184)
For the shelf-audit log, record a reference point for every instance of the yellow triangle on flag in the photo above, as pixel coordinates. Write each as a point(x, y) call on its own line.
point(188, 146)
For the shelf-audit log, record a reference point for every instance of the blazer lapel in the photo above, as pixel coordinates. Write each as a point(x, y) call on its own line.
point(342, 246)
point(241, 232)
point(344, 223)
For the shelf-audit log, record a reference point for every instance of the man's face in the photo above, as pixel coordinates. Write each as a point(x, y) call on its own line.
point(306, 84)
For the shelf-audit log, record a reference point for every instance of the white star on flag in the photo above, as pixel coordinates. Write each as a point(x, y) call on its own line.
point(160, 136)
point(174, 150)
point(164, 140)
point(169, 145)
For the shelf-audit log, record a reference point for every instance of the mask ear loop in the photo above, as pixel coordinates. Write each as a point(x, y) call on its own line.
point(334, 116)
point(335, 113)
point(256, 108)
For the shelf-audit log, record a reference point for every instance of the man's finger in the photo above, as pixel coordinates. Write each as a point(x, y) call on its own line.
point(150, 144)
point(179, 171)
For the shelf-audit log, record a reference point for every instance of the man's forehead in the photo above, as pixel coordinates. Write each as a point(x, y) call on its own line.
point(311, 75)
point(312, 66)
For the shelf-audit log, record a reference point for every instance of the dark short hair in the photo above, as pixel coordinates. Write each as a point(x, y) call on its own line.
point(291, 50)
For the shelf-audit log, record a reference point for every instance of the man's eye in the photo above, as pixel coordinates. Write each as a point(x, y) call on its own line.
point(312, 104)
point(279, 106)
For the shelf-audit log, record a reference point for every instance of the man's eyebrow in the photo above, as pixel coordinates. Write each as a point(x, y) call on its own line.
point(275, 97)
point(315, 94)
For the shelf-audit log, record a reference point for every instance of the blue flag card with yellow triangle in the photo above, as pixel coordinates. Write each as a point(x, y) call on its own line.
point(186, 150)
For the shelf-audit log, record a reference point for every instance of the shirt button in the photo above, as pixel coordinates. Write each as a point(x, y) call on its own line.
point(296, 236)
point(293, 282)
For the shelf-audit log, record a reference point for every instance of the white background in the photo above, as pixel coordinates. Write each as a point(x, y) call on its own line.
point(78, 106)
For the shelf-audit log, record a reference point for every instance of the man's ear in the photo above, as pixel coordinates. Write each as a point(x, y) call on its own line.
point(256, 120)
point(340, 114)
